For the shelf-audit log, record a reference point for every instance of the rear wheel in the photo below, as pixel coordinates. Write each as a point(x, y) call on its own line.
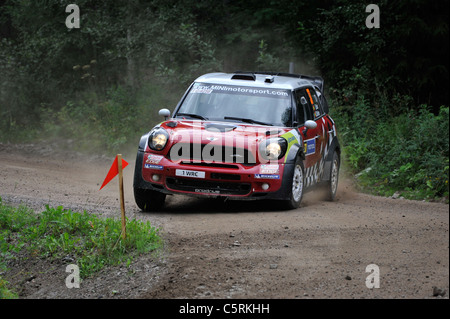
point(297, 187)
point(332, 184)
point(148, 200)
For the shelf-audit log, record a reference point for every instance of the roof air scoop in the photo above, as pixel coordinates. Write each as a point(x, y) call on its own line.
point(244, 76)
point(269, 79)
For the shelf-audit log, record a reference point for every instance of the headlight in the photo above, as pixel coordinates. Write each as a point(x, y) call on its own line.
point(158, 139)
point(273, 149)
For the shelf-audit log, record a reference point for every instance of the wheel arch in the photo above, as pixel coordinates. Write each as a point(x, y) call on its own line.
point(294, 151)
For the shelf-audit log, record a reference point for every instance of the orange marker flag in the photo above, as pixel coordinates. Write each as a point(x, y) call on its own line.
point(113, 171)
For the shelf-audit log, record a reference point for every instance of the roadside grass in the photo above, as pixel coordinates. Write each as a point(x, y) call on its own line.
point(88, 241)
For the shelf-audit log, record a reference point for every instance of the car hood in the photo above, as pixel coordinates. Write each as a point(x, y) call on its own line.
point(216, 132)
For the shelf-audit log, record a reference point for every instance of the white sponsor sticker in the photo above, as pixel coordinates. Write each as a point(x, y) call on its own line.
point(186, 173)
point(154, 159)
point(269, 169)
point(151, 166)
point(267, 176)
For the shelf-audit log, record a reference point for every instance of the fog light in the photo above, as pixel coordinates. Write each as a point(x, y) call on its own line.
point(265, 186)
point(156, 178)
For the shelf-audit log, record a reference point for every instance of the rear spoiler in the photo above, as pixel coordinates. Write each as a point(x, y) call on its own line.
point(318, 81)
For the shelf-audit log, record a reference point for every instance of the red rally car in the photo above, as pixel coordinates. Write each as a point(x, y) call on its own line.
point(242, 135)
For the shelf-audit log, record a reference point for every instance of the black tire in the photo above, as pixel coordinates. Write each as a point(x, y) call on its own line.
point(148, 200)
point(297, 186)
point(332, 184)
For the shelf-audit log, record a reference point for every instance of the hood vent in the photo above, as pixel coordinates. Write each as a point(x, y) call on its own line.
point(273, 132)
point(218, 127)
point(172, 124)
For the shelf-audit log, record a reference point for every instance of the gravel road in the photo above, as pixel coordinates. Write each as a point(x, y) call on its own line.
point(236, 249)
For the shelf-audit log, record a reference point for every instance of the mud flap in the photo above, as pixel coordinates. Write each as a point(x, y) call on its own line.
point(329, 160)
point(138, 181)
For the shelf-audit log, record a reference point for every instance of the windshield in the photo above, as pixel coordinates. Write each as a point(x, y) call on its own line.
point(235, 103)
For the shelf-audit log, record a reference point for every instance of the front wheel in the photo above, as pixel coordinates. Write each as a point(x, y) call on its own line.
point(148, 200)
point(297, 187)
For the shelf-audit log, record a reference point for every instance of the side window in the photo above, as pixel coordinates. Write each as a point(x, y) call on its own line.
point(301, 105)
point(304, 109)
point(313, 99)
point(322, 101)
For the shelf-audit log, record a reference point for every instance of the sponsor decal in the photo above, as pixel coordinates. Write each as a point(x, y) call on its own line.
point(209, 191)
point(230, 89)
point(310, 97)
point(152, 166)
point(186, 173)
point(202, 89)
point(291, 139)
point(267, 176)
point(310, 146)
point(154, 159)
point(269, 169)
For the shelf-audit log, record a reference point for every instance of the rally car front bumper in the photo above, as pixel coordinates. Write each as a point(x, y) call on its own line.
point(260, 181)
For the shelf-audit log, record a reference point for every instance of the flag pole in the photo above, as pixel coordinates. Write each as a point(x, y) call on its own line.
point(122, 203)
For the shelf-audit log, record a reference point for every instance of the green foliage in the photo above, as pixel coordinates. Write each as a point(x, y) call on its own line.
point(197, 57)
point(5, 291)
point(106, 124)
point(92, 123)
point(267, 61)
point(92, 242)
point(398, 55)
point(408, 152)
point(121, 45)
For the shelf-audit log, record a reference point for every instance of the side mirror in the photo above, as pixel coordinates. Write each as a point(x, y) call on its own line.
point(303, 100)
point(310, 124)
point(165, 113)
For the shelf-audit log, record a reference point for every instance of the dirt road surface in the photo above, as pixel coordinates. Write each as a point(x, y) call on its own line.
point(235, 249)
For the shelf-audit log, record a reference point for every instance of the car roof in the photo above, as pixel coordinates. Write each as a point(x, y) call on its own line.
point(287, 81)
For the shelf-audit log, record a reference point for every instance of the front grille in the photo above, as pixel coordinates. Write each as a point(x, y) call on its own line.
point(211, 153)
point(200, 186)
point(231, 177)
point(203, 164)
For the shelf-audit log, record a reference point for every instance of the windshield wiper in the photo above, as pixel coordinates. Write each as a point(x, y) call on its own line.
point(196, 116)
point(246, 120)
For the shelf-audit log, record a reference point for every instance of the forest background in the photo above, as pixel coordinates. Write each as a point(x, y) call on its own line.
point(98, 88)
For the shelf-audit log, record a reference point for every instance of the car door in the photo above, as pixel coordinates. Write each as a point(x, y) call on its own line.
point(314, 140)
